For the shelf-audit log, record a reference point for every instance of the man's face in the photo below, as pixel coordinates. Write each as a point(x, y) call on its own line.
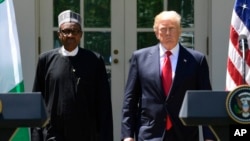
point(70, 35)
point(168, 33)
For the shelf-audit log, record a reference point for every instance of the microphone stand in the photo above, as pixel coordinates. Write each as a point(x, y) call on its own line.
point(243, 64)
point(243, 44)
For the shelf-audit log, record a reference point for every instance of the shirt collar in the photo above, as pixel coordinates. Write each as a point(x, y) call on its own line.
point(175, 50)
point(67, 53)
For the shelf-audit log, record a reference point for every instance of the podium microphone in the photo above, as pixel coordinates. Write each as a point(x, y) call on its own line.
point(243, 45)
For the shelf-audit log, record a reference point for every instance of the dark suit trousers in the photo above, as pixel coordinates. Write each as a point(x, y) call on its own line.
point(170, 135)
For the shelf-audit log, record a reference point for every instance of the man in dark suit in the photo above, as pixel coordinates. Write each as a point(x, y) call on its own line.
point(150, 113)
point(74, 84)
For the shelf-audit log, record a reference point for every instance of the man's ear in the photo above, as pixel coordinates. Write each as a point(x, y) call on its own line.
point(59, 35)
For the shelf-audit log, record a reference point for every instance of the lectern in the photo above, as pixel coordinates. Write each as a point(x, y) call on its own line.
point(207, 108)
point(20, 110)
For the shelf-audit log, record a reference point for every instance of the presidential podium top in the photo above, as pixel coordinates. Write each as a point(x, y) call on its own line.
point(26, 109)
point(222, 111)
point(205, 107)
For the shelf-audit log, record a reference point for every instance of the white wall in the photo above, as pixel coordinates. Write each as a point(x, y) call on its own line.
point(25, 18)
point(221, 12)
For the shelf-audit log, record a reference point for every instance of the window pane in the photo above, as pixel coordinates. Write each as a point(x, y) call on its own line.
point(185, 8)
point(187, 39)
point(61, 5)
point(57, 42)
point(95, 41)
point(99, 42)
point(145, 39)
point(146, 11)
point(97, 13)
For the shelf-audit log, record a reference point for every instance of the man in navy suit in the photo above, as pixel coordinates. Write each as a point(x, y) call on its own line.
point(146, 106)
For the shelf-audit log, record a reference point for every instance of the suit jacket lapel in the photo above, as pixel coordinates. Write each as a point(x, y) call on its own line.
point(180, 68)
point(155, 61)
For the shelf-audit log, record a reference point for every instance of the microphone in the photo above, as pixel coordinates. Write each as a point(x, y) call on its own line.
point(243, 44)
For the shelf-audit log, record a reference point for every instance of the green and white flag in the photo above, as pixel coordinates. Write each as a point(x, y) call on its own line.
point(11, 78)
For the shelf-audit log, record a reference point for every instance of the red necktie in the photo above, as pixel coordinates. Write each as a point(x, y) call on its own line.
point(167, 81)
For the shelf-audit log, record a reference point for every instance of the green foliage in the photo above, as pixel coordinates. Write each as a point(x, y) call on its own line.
point(99, 42)
point(146, 11)
point(97, 13)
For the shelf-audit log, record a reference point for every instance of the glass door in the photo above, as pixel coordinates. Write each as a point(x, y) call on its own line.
point(116, 28)
point(139, 18)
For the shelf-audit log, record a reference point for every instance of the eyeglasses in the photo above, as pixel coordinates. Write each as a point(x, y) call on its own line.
point(66, 32)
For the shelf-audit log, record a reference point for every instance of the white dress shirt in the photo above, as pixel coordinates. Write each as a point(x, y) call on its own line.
point(173, 57)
